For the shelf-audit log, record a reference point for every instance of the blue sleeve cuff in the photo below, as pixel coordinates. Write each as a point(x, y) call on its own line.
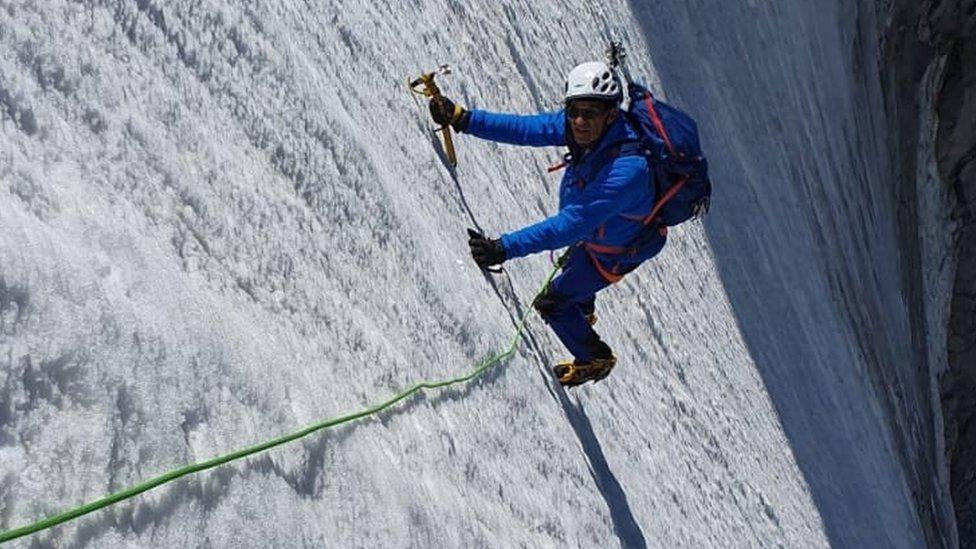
point(511, 249)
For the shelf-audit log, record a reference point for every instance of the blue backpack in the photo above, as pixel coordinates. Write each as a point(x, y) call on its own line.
point(669, 141)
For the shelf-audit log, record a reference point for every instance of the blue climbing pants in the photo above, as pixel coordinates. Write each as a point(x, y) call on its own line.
point(571, 296)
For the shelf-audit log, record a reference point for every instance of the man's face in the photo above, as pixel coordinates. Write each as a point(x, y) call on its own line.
point(588, 119)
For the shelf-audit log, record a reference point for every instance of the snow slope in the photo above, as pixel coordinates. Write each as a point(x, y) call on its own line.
point(220, 223)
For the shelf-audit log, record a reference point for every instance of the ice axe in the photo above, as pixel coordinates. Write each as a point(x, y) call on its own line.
point(616, 55)
point(425, 86)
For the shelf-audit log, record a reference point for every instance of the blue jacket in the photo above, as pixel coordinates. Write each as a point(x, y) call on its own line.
point(593, 207)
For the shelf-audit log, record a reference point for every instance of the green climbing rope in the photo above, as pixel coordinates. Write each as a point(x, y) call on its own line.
point(133, 491)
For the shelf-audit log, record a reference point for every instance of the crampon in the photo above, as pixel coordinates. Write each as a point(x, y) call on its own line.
point(571, 373)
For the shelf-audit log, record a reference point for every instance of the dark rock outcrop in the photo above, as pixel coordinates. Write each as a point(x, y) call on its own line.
point(917, 35)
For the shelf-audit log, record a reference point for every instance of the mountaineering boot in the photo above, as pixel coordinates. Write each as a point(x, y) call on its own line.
point(571, 373)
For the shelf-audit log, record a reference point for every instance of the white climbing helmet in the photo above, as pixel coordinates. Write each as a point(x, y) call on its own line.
point(593, 80)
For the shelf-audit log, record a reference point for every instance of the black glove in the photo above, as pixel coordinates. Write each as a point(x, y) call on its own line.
point(445, 112)
point(486, 252)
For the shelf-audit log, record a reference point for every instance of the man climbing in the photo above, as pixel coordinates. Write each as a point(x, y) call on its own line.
point(603, 198)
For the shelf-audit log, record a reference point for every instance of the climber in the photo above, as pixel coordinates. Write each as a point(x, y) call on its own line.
point(603, 197)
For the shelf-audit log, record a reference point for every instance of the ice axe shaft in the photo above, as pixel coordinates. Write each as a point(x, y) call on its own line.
point(425, 86)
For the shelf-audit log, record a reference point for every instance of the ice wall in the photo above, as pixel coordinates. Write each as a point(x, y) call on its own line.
point(221, 222)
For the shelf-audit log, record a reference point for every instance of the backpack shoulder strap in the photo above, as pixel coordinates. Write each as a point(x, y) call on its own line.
point(656, 121)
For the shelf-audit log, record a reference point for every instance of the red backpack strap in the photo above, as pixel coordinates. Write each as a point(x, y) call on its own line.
point(664, 200)
point(556, 167)
point(656, 120)
point(567, 158)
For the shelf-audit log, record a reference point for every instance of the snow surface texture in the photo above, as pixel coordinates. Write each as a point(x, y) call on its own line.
point(220, 223)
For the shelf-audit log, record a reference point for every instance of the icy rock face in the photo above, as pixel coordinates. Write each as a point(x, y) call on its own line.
point(957, 164)
point(220, 222)
point(950, 28)
point(931, 81)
